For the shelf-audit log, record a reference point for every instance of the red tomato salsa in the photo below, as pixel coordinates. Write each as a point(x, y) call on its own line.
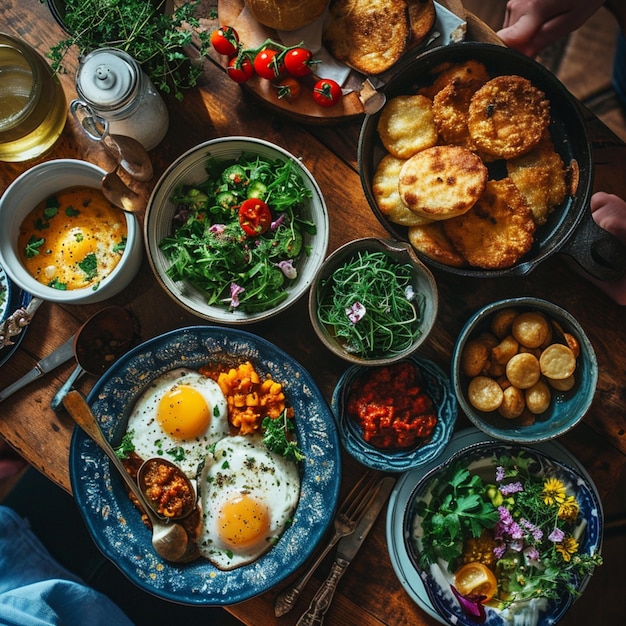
point(391, 406)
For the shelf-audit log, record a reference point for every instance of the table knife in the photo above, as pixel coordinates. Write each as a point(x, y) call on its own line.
point(57, 357)
point(346, 549)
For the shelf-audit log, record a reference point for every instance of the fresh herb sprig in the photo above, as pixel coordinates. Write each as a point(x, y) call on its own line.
point(370, 305)
point(278, 437)
point(209, 249)
point(155, 40)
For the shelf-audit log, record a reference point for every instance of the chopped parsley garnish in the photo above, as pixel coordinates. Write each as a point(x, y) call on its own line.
point(70, 211)
point(89, 265)
point(120, 246)
point(57, 284)
point(32, 247)
point(278, 437)
point(126, 446)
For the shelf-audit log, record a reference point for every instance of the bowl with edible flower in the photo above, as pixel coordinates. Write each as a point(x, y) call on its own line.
point(504, 534)
point(373, 302)
point(236, 229)
point(524, 370)
point(61, 240)
point(395, 417)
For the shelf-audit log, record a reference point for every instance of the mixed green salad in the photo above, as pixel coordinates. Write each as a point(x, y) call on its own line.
point(239, 236)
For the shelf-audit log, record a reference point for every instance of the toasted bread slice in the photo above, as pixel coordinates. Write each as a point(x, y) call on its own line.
point(442, 182)
point(368, 35)
point(422, 15)
point(463, 72)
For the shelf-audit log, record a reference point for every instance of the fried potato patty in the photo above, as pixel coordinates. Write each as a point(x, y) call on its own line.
point(442, 182)
point(387, 195)
point(451, 109)
point(406, 126)
point(497, 231)
point(462, 73)
point(541, 177)
point(431, 240)
point(368, 35)
point(508, 116)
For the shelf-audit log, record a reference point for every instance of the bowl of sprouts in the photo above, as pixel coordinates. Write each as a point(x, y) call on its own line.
point(373, 302)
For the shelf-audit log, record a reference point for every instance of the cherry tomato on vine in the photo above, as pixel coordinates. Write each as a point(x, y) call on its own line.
point(254, 216)
point(240, 69)
point(297, 61)
point(327, 92)
point(225, 40)
point(287, 88)
point(267, 65)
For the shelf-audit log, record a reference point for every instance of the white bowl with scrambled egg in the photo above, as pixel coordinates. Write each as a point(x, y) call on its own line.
point(61, 241)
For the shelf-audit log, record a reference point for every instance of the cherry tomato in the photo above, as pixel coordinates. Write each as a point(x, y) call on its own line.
point(267, 65)
point(476, 579)
point(288, 88)
point(225, 40)
point(254, 216)
point(240, 69)
point(327, 92)
point(297, 61)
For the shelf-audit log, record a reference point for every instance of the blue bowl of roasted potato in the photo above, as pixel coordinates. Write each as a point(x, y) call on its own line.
point(524, 370)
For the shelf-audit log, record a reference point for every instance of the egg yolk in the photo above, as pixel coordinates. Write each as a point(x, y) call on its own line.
point(183, 413)
point(243, 521)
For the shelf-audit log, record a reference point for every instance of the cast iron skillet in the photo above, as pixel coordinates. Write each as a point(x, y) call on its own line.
point(570, 228)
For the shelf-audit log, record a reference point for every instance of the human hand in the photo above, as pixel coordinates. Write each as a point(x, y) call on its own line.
point(609, 212)
point(531, 25)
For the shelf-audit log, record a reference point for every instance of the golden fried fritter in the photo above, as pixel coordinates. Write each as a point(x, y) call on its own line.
point(497, 231)
point(464, 72)
point(450, 111)
point(508, 116)
point(541, 178)
point(442, 182)
point(387, 196)
point(406, 126)
point(368, 35)
point(431, 240)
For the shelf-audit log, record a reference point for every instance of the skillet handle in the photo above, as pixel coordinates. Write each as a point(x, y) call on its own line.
point(596, 250)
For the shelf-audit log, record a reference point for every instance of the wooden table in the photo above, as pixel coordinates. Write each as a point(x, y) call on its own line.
point(221, 108)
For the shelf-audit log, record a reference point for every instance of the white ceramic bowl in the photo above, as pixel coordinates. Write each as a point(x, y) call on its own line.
point(189, 168)
point(23, 195)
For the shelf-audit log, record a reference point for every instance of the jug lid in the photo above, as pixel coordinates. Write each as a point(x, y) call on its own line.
point(106, 77)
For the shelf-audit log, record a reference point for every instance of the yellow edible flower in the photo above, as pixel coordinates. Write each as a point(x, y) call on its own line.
point(568, 510)
point(553, 492)
point(567, 548)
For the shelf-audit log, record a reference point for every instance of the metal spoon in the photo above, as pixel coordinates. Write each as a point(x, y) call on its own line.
point(117, 192)
point(169, 540)
point(144, 481)
point(102, 339)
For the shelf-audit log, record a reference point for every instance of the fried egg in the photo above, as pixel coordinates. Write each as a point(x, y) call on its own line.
point(248, 496)
point(179, 416)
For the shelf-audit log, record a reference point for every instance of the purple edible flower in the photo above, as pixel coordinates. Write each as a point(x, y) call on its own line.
point(356, 312)
point(235, 290)
point(217, 229)
point(556, 536)
point(499, 473)
point(277, 222)
point(288, 269)
point(507, 490)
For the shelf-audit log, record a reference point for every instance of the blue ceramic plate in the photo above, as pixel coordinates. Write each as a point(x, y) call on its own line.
point(566, 409)
point(11, 299)
point(436, 385)
point(437, 579)
point(115, 523)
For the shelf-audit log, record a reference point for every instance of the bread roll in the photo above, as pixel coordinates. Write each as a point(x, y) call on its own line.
point(286, 14)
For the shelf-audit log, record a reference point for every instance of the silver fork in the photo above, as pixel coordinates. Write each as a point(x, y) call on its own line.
point(350, 512)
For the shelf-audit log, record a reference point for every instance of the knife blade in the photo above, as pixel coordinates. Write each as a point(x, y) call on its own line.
point(346, 549)
point(57, 357)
